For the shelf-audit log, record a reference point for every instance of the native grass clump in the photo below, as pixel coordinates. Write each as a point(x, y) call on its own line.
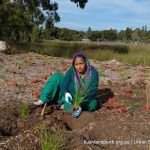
point(52, 140)
point(128, 54)
point(23, 110)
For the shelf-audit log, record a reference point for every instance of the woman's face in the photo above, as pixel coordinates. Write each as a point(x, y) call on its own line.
point(80, 65)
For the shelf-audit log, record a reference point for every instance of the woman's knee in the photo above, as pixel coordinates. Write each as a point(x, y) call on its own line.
point(56, 77)
point(93, 105)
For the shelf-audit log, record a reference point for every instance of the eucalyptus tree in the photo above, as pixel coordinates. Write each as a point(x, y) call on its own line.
point(20, 20)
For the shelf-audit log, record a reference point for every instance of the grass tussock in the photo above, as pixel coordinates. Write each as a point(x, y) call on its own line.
point(23, 110)
point(130, 54)
point(51, 140)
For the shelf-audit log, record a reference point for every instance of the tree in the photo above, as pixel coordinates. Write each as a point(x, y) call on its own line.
point(80, 3)
point(128, 33)
point(89, 31)
point(20, 17)
point(23, 15)
point(109, 35)
point(135, 35)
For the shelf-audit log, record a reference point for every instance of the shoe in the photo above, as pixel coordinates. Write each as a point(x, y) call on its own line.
point(39, 103)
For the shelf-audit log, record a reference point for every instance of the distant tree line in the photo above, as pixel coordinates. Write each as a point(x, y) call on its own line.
point(129, 34)
point(34, 20)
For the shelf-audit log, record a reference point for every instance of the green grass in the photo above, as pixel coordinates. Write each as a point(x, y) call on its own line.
point(20, 86)
point(137, 55)
point(103, 74)
point(133, 106)
point(123, 75)
point(135, 91)
point(129, 54)
point(18, 64)
point(2, 76)
point(147, 75)
point(52, 140)
point(23, 110)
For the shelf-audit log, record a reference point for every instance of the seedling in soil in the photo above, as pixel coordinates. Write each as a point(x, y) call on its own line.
point(103, 74)
point(135, 92)
point(20, 73)
point(20, 64)
point(2, 67)
point(47, 62)
point(6, 69)
point(123, 75)
point(52, 140)
point(23, 110)
point(20, 86)
point(133, 106)
point(147, 75)
point(2, 76)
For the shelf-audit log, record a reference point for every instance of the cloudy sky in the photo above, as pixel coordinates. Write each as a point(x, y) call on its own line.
point(104, 14)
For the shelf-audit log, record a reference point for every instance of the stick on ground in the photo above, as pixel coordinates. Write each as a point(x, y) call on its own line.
point(43, 110)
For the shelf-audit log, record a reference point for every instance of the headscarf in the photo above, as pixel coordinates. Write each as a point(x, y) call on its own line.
point(88, 72)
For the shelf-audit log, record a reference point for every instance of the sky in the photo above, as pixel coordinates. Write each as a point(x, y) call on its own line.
point(104, 14)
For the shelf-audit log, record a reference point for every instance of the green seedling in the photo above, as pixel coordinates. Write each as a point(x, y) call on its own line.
point(23, 110)
point(20, 64)
point(135, 92)
point(123, 75)
point(51, 140)
point(133, 106)
point(20, 86)
point(147, 75)
point(2, 76)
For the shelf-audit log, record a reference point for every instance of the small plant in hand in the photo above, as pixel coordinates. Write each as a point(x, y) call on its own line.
point(81, 93)
point(78, 99)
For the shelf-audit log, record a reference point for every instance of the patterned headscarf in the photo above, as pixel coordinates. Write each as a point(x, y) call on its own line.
point(88, 72)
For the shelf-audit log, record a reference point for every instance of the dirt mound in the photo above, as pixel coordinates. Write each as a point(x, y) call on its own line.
point(120, 123)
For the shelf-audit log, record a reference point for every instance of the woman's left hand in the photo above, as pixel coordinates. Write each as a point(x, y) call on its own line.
point(77, 112)
point(68, 97)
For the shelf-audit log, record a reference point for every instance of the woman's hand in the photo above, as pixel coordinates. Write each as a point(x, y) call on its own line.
point(77, 112)
point(68, 97)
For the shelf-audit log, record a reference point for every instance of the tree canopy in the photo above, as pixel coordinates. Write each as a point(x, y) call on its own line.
point(20, 20)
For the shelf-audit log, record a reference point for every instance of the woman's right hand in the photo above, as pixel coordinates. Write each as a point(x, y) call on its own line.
point(68, 97)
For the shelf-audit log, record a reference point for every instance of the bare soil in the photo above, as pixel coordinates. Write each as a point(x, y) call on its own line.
point(109, 127)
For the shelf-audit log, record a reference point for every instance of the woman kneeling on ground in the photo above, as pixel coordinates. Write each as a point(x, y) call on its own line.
point(62, 90)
